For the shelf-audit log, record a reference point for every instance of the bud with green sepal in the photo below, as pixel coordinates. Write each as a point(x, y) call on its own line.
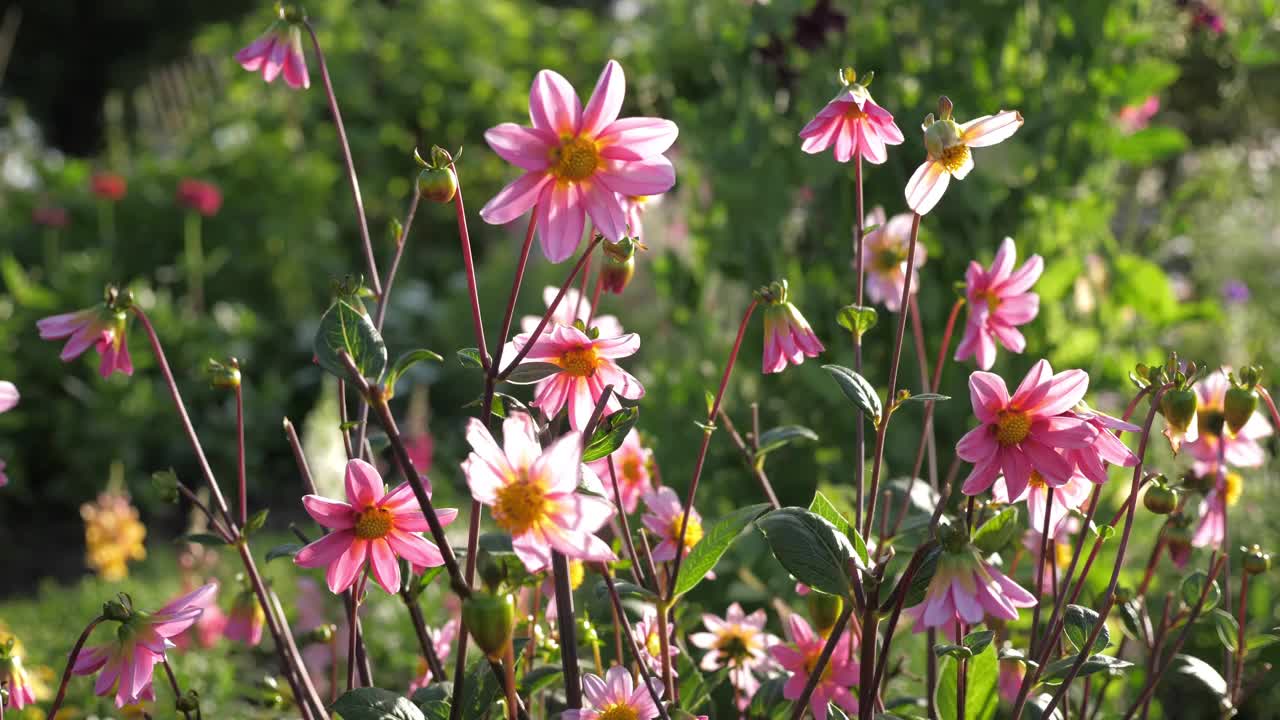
point(619, 264)
point(120, 609)
point(1179, 403)
point(437, 181)
point(1241, 400)
point(224, 376)
point(1160, 498)
point(1256, 561)
point(490, 617)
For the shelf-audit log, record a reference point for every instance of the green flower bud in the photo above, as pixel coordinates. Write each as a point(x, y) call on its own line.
point(189, 702)
point(1255, 560)
point(1238, 406)
point(824, 610)
point(490, 618)
point(619, 268)
point(1160, 498)
point(438, 183)
point(120, 609)
point(1178, 407)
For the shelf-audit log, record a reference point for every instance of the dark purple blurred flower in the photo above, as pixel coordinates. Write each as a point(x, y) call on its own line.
point(812, 27)
point(50, 216)
point(1235, 292)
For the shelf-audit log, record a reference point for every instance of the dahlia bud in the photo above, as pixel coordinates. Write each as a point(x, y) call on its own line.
point(320, 634)
point(120, 609)
point(490, 618)
point(1160, 498)
point(224, 376)
point(491, 570)
point(437, 181)
point(1179, 408)
point(189, 702)
point(619, 265)
point(1178, 533)
point(824, 610)
point(1241, 400)
point(1256, 561)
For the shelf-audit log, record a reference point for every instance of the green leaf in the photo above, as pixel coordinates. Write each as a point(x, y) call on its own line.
point(438, 691)
point(286, 550)
point(256, 521)
point(1056, 671)
point(528, 373)
point(626, 589)
point(1257, 642)
point(959, 652)
point(768, 702)
point(695, 687)
point(996, 533)
point(469, 358)
point(978, 640)
point(919, 583)
point(857, 319)
point(1131, 617)
point(1036, 706)
point(208, 539)
point(376, 704)
point(1150, 145)
point(1202, 671)
point(856, 388)
point(778, 437)
point(1193, 586)
point(926, 397)
point(166, 484)
point(1016, 655)
point(344, 328)
point(825, 509)
point(435, 710)
point(539, 679)
point(714, 543)
point(408, 360)
point(1078, 623)
point(480, 689)
point(981, 697)
point(25, 292)
point(810, 548)
point(1227, 627)
point(610, 434)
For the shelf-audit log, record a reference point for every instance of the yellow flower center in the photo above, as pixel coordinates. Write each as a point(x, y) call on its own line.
point(691, 536)
point(631, 469)
point(889, 259)
point(653, 643)
point(520, 506)
point(992, 299)
point(373, 523)
point(1210, 422)
point(621, 711)
point(853, 113)
point(575, 159)
point(953, 158)
point(811, 661)
point(576, 574)
point(1037, 480)
point(1012, 427)
point(1235, 484)
point(580, 362)
point(733, 644)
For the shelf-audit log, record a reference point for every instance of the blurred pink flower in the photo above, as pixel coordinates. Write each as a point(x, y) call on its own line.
point(967, 589)
point(615, 697)
point(1211, 529)
point(572, 308)
point(999, 300)
point(277, 52)
point(50, 216)
point(664, 517)
point(246, 620)
point(586, 366)
point(372, 527)
point(108, 186)
point(788, 338)
point(854, 124)
point(208, 629)
point(1133, 118)
point(800, 656)
point(1107, 448)
point(739, 642)
point(1241, 449)
point(200, 196)
point(8, 396)
point(421, 448)
point(884, 258)
point(100, 328)
point(442, 640)
point(578, 162)
point(650, 639)
point(631, 463)
point(1066, 497)
point(14, 678)
point(948, 144)
point(1009, 680)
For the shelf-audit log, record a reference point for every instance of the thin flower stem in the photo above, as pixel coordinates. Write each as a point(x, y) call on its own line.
point(582, 294)
point(240, 452)
point(757, 467)
point(214, 523)
point(1044, 553)
point(894, 362)
point(869, 629)
point(371, 264)
point(1221, 481)
point(927, 440)
point(353, 610)
point(300, 457)
point(595, 297)
point(1060, 601)
point(343, 418)
point(313, 706)
point(650, 682)
point(859, 437)
point(173, 684)
point(509, 666)
point(664, 648)
point(802, 703)
point(627, 542)
point(936, 382)
point(962, 675)
point(706, 442)
point(71, 661)
point(424, 638)
point(1238, 678)
point(1270, 403)
point(509, 313)
point(468, 263)
point(908, 575)
point(401, 241)
point(567, 625)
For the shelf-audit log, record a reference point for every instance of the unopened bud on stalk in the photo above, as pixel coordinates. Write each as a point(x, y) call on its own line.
point(1256, 561)
point(824, 610)
point(490, 618)
point(224, 376)
point(619, 265)
point(437, 181)
point(189, 702)
point(1160, 498)
point(1241, 400)
point(492, 572)
point(120, 609)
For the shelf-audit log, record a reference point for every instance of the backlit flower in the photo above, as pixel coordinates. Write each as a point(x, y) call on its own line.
point(999, 301)
point(1106, 448)
point(631, 462)
point(948, 144)
point(108, 186)
point(1241, 449)
point(373, 527)
point(112, 535)
point(1009, 681)
point(616, 697)
point(736, 641)
point(578, 162)
point(664, 517)
point(884, 258)
point(532, 493)
point(1066, 497)
point(852, 124)
point(1025, 432)
point(635, 207)
point(1212, 526)
point(966, 589)
point(8, 399)
point(649, 636)
point(276, 52)
point(13, 677)
point(101, 328)
point(800, 656)
point(572, 308)
point(586, 366)
point(788, 338)
point(208, 629)
point(202, 197)
point(442, 640)
point(246, 620)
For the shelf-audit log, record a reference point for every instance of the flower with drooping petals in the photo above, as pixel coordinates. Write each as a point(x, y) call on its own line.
point(1009, 681)
point(276, 52)
point(572, 308)
point(1241, 449)
point(1066, 497)
point(113, 535)
point(948, 144)
point(999, 301)
point(664, 518)
point(884, 258)
point(1025, 432)
point(631, 463)
point(372, 527)
point(586, 364)
point(108, 186)
point(788, 338)
point(635, 206)
point(200, 196)
point(1091, 461)
point(139, 643)
point(1212, 526)
point(13, 677)
point(647, 633)
point(533, 494)
point(102, 328)
point(442, 640)
point(800, 656)
point(616, 697)
point(8, 399)
point(578, 162)
point(852, 124)
point(246, 620)
point(967, 589)
point(736, 641)
point(208, 629)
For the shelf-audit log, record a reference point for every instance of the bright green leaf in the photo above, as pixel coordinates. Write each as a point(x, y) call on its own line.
point(810, 548)
point(856, 388)
point(713, 545)
point(376, 704)
point(344, 328)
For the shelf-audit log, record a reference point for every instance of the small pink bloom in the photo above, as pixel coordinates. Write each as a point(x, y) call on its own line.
point(1212, 526)
point(967, 589)
point(203, 197)
point(578, 162)
point(631, 462)
point(650, 639)
point(1009, 680)
point(100, 328)
point(800, 656)
point(884, 258)
point(14, 679)
point(1107, 448)
point(277, 52)
point(533, 494)
point(586, 366)
point(8, 399)
point(999, 301)
point(853, 125)
point(1242, 449)
point(948, 144)
point(1025, 432)
point(372, 527)
point(108, 186)
point(664, 518)
point(737, 641)
point(442, 640)
point(208, 629)
point(421, 448)
point(788, 338)
point(50, 216)
point(1066, 497)
point(572, 308)
point(129, 659)
point(1133, 118)
point(616, 696)
point(246, 620)
point(635, 207)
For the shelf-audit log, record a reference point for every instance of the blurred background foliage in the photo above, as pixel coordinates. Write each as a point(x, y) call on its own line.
point(1152, 236)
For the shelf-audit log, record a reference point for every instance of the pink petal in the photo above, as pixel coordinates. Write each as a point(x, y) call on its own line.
point(526, 148)
point(1034, 386)
point(977, 445)
point(553, 105)
point(324, 551)
point(343, 571)
point(926, 186)
point(991, 129)
point(8, 396)
point(652, 176)
point(329, 513)
point(637, 138)
point(606, 100)
point(988, 394)
point(1051, 465)
point(561, 220)
point(515, 199)
point(1002, 264)
point(1017, 469)
point(386, 571)
point(617, 347)
point(605, 210)
point(364, 484)
point(582, 402)
point(420, 552)
point(1021, 280)
point(1065, 391)
point(558, 464)
point(252, 56)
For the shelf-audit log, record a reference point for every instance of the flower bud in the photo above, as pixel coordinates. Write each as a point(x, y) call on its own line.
point(120, 609)
point(438, 183)
point(490, 618)
point(189, 702)
point(939, 136)
point(224, 376)
point(492, 571)
point(824, 610)
point(619, 265)
point(1160, 498)
point(1256, 561)
point(1178, 407)
point(321, 634)
point(1178, 533)
point(1238, 406)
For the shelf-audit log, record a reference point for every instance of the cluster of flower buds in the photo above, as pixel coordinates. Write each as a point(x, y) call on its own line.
point(1178, 403)
point(438, 181)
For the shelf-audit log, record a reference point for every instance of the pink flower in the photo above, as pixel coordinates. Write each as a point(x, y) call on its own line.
point(101, 328)
point(650, 639)
point(948, 143)
point(14, 678)
point(442, 640)
point(1107, 448)
point(208, 629)
point(631, 462)
point(533, 494)
point(854, 124)
point(738, 642)
point(50, 216)
point(8, 399)
point(277, 51)
point(246, 620)
point(203, 197)
point(615, 697)
point(884, 258)
point(572, 308)
point(1241, 449)
point(999, 301)
point(635, 207)
point(140, 642)
point(801, 656)
point(787, 335)
point(1066, 497)
point(1009, 680)
point(372, 527)
point(1133, 118)
point(1025, 432)
point(577, 162)
point(664, 518)
point(421, 449)
point(108, 186)
point(586, 366)
point(966, 589)
point(1212, 527)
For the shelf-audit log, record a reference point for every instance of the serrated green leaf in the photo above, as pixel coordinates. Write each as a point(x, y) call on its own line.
point(376, 704)
point(469, 358)
point(779, 437)
point(610, 434)
point(715, 542)
point(528, 373)
point(856, 388)
point(342, 327)
point(998, 532)
point(810, 548)
point(286, 550)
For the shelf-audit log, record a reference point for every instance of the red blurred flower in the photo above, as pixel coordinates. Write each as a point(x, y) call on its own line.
point(108, 186)
point(50, 216)
point(205, 198)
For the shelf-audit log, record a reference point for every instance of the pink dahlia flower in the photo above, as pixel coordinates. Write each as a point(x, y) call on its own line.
point(617, 696)
point(1107, 448)
point(1212, 526)
point(948, 144)
point(1241, 449)
point(664, 517)
point(578, 162)
point(100, 328)
point(800, 655)
point(1009, 680)
point(631, 463)
point(278, 52)
point(788, 338)
point(208, 629)
point(999, 301)
point(533, 494)
point(372, 527)
point(246, 620)
point(1025, 432)
point(586, 366)
point(853, 125)
point(1133, 118)
point(202, 197)
point(1066, 497)
point(129, 659)
point(442, 640)
point(650, 639)
point(14, 678)
point(736, 641)
point(884, 258)
point(966, 589)
point(571, 309)
point(8, 396)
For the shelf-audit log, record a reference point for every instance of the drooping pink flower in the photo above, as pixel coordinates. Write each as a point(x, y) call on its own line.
point(800, 656)
point(108, 186)
point(966, 589)
point(13, 677)
point(999, 300)
point(1066, 497)
point(788, 338)
point(129, 659)
point(200, 196)
point(635, 206)
point(533, 494)
point(1133, 118)
point(578, 162)
point(664, 517)
point(278, 51)
point(948, 144)
point(586, 365)
point(852, 124)
point(739, 642)
point(8, 396)
point(442, 640)
point(649, 637)
point(1009, 680)
point(208, 629)
point(884, 258)
point(246, 620)
point(1107, 448)
point(1025, 432)
point(372, 527)
point(1211, 529)
point(572, 308)
point(1241, 449)
point(616, 696)
point(631, 463)
point(101, 328)
point(50, 216)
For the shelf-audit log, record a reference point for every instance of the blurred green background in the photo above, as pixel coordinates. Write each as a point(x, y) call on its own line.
point(1153, 237)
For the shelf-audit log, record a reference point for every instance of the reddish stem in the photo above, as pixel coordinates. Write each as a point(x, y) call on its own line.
point(859, 438)
point(71, 661)
point(468, 263)
point(244, 497)
point(934, 385)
